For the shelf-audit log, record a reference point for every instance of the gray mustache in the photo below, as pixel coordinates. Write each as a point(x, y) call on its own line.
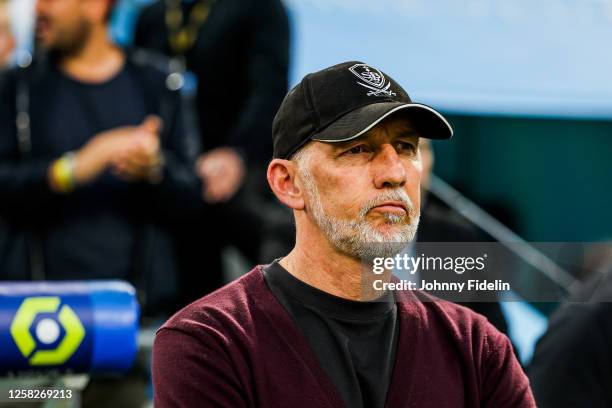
point(393, 195)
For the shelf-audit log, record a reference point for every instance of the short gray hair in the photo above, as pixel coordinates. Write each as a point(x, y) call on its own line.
point(302, 156)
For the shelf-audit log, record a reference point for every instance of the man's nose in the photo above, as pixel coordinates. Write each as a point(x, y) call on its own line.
point(389, 171)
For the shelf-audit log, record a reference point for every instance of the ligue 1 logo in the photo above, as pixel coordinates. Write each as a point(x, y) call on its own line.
point(47, 330)
point(372, 79)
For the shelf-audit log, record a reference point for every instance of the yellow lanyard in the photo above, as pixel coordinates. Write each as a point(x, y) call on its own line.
point(181, 34)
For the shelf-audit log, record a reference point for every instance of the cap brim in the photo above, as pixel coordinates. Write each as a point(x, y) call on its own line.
point(428, 122)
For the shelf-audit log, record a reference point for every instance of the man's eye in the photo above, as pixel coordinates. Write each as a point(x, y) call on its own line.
point(357, 150)
point(405, 147)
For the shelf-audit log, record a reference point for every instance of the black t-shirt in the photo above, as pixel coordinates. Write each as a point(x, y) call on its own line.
point(355, 342)
point(94, 234)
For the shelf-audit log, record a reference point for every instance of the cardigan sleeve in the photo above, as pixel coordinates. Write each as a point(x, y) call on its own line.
point(193, 371)
point(504, 384)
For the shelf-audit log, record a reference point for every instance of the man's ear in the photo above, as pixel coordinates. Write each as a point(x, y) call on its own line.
point(281, 177)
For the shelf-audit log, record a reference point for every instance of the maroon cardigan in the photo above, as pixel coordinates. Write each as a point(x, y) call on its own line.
point(238, 347)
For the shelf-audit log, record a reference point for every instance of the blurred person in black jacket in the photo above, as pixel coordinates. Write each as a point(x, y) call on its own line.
point(239, 52)
point(572, 362)
point(92, 158)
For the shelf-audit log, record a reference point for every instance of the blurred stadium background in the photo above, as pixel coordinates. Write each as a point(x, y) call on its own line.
point(526, 87)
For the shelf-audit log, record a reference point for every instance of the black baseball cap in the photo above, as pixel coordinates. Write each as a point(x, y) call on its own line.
point(343, 102)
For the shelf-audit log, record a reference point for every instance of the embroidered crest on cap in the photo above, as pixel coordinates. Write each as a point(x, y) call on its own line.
point(372, 79)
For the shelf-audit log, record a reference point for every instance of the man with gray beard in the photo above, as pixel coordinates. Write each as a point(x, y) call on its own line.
point(355, 236)
point(301, 331)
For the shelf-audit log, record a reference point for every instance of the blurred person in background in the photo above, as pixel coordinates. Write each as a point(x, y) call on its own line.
point(572, 363)
point(7, 41)
point(239, 52)
point(92, 160)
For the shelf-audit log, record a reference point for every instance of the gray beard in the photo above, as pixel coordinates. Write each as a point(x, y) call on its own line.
point(357, 237)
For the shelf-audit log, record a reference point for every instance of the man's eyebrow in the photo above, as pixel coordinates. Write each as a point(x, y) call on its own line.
point(346, 143)
point(404, 133)
point(408, 133)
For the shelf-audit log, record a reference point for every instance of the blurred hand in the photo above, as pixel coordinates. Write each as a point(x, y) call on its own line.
point(222, 171)
point(132, 150)
point(141, 158)
point(97, 155)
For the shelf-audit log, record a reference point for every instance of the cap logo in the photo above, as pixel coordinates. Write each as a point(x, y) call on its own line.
point(372, 79)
